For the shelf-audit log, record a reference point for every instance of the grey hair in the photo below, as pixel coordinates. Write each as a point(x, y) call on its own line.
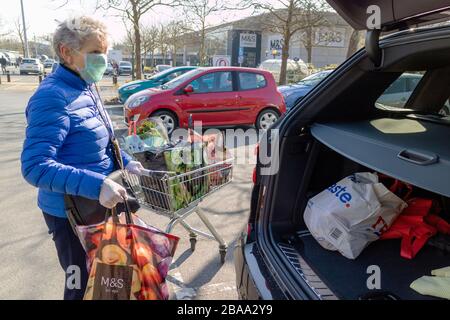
point(74, 32)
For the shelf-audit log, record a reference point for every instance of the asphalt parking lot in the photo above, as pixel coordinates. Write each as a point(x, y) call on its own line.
point(30, 269)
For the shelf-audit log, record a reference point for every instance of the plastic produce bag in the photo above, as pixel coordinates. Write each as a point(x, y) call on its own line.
point(126, 261)
point(133, 144)
point(150, 135)
point(352, 213)
point(153, 133)
point(216, 152)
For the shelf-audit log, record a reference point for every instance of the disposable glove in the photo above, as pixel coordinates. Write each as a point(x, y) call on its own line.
point(111, 193)
point(134, 167)
point(443, 272)
point(432, 286)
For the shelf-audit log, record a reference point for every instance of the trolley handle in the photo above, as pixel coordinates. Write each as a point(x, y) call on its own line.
point(149, 173)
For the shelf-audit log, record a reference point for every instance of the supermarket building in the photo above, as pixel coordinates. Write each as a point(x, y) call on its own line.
point(246, 43)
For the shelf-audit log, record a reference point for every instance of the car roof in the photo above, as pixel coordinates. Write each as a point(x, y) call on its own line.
point(183, 67)
point(242, 69)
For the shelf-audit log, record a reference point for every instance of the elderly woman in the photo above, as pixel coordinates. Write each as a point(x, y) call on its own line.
point(68, 146)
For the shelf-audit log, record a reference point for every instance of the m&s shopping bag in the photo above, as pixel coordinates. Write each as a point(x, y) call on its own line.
point(127, 260)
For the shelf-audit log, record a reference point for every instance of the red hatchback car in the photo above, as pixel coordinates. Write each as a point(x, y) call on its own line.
point(218, 96)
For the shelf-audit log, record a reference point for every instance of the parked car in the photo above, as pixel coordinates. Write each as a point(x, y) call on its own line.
point(54, 66)
point(219, 96)
point(339, 129)
point(395, 96)
point(125, 68)
point(296, 70)
point(43, 58)
point(31, 65)
point(49, 63)
point(156, 80)
point(400, 90)
point(12, 57)
point(109, 69)
point(162, 67)
point(292, 93)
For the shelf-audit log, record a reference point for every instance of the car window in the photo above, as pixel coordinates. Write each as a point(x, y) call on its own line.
point(398, 93)
point(412, 82)
point(28, 61)
point(177, 81)
point(398, 86)
point(249, 81)
point(161, 74)
point(173, 75)
point(213, 82)
point(445, 110)
point(314, 79)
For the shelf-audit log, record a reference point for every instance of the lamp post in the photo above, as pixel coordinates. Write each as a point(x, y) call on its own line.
point(26, 53)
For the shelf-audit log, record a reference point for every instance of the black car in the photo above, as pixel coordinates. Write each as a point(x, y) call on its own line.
point(340, 128)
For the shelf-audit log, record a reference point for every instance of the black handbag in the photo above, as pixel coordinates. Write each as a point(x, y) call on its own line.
point(84, 211)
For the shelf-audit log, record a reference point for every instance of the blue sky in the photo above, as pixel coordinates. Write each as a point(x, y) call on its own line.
point(41, 15)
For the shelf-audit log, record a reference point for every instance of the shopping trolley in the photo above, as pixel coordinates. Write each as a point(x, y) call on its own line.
point(178, 196)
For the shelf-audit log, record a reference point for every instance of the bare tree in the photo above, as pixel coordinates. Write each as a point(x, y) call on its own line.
point(163, 46)
point(197, 13)
point(133, 11)
point(129, 44)
point(19, 32)
point(314, 16)
point(289, 18)
point(150, 36)
point(175, 39)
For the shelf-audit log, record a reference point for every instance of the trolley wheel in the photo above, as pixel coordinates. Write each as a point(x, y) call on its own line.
point(193, 241)
point(223, 253)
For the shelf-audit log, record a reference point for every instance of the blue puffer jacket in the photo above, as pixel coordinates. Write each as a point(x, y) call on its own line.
point(66, 149)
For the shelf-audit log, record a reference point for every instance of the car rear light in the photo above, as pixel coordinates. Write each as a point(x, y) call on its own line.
point(249, 229)
point(254, 175)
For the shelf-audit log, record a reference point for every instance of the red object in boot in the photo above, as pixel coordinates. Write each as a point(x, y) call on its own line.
point(440, 224)
point(412, 227)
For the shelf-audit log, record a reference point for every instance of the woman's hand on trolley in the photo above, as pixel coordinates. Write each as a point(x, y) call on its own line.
point(134, 167)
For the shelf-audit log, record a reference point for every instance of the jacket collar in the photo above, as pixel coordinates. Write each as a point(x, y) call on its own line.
point(71, 77)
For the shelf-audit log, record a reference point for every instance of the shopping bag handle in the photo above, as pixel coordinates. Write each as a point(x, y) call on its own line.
point(115, 216)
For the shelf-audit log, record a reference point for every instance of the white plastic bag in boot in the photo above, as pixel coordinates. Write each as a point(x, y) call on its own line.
point(352, 213)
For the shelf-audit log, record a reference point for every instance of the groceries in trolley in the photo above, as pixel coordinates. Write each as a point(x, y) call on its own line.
point(149, 135)
point(178, 176)
point(182, 170)
point(352, 213)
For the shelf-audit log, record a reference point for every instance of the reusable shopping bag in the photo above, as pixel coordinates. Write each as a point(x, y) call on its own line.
point(127, 260)
point(352, 213)
point(150, 135)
